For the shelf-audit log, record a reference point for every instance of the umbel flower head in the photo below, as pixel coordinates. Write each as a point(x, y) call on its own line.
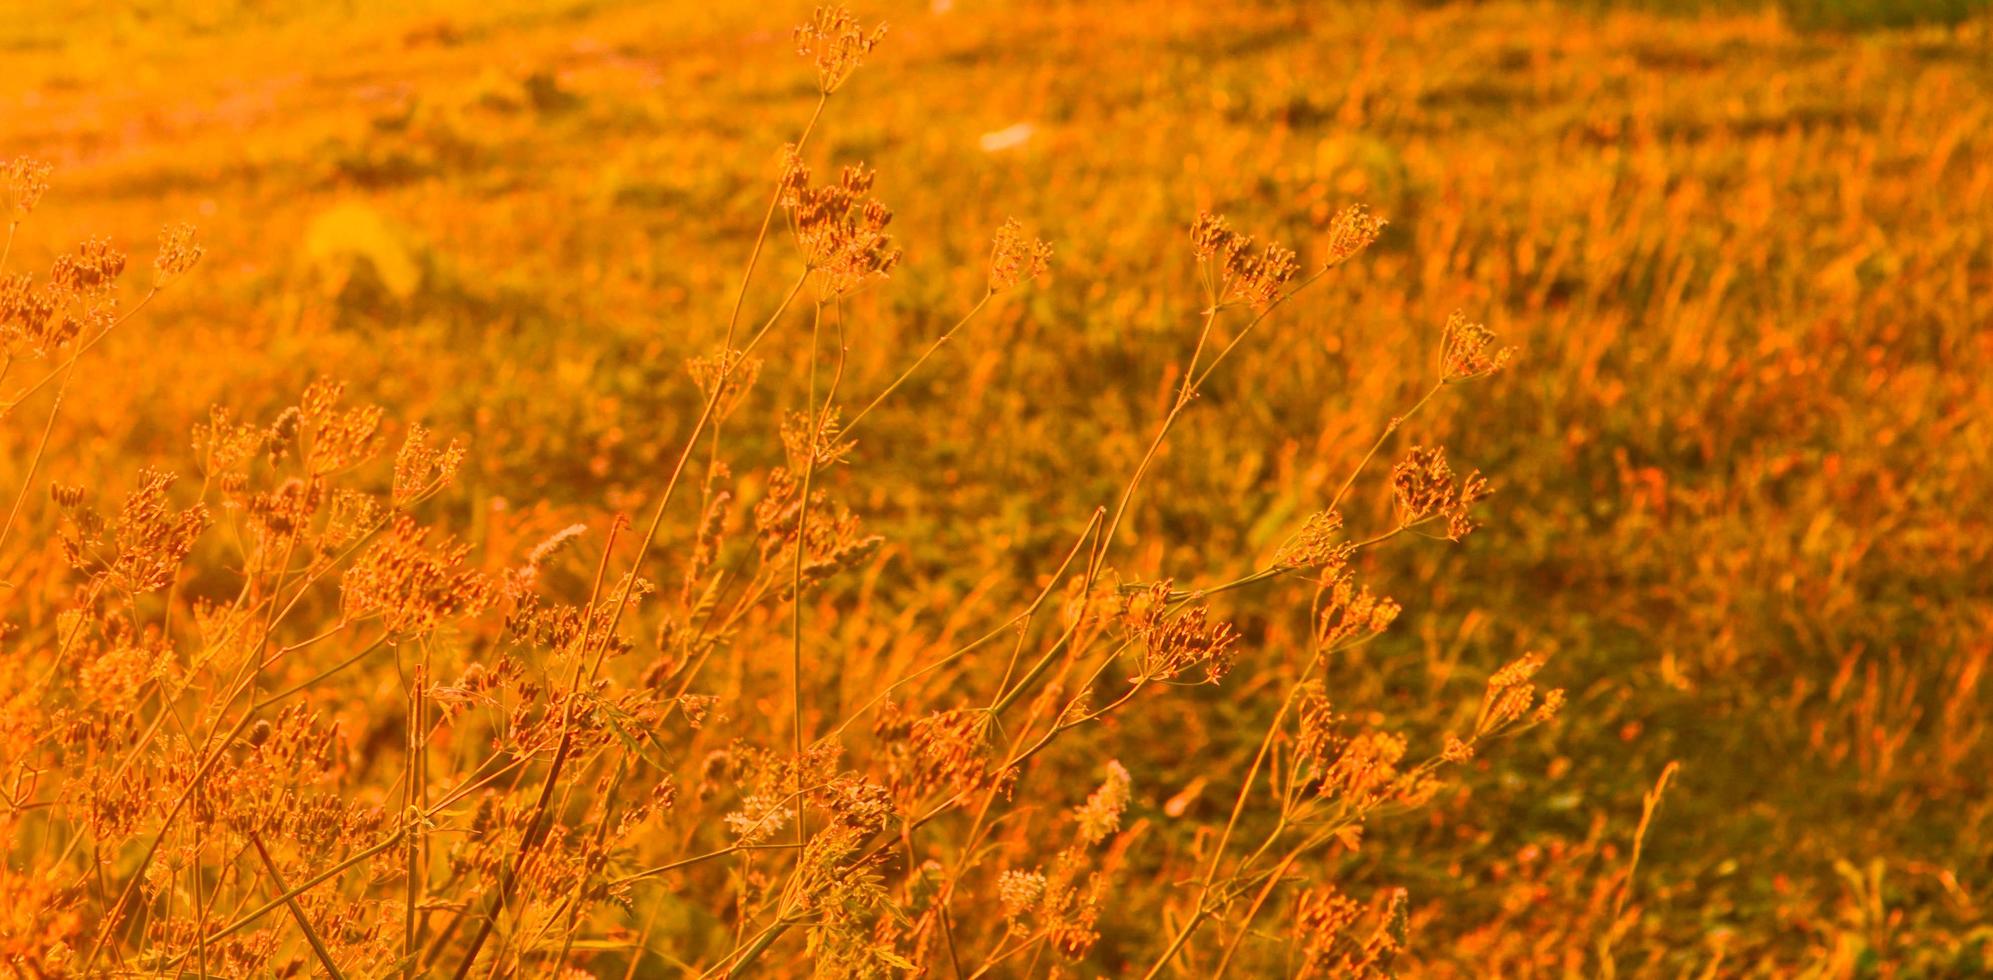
point(22, 182)
point(1319, 544)
point(1173, 644)
point(421, 468)
point(1511, 698)
point(33, 319)
point(1422, 485)
point(1352, 231)
point(837, 44)
point(178, 252)
point(1350, 612)
point(142, 549)
point(1469, 350)
point(1016, 258)
point(415, 588)
point(89, 271)
point(1244, 274)
point(840, 227)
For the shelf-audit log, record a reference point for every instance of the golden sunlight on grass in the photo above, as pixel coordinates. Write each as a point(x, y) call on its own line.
point(1132, 489)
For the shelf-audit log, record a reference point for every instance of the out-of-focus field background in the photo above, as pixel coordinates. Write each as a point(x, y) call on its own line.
point(1743, 469)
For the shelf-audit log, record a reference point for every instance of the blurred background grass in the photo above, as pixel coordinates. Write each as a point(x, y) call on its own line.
point(1742, 470)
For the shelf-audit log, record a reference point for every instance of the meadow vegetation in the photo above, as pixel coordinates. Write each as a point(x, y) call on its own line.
point(602, 495)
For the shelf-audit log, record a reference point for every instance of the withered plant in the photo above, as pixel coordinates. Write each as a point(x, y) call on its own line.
point(275, 715)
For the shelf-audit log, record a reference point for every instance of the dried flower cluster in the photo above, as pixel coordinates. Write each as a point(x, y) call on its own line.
point(420, 468)
point(1174, 642)
point(1319, 544)
point(411, 586)
point(832, 539)
point(178, 253)
point(834, 41)
point(1016, 258)
point(37, 320)
point(945, 750)
point(139, 551)
point(1254, 275)
point(23, 180)
point(90, 271)
point(840, 228)
point(1469, 351)
point(1325, 922)
point(1353, 230)
point(1423, 487)
point(29, 322)
point(1100, 816)
point(1349, 612)
point(323, 711)
point(813, 439)
point(1512, 698)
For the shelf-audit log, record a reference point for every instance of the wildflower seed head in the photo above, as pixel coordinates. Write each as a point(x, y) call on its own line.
point(1258, 277)
point(1518, 670)
point(1553, 704)
point(338, 438)
point(89, 271)
point(1319, 735)
point(1318, 545)
point(1325, 921)
point(942, 750)
point(142, 549)
point(841, 230)
point(1511, 697)
point(1177, 643)
point(795, 177)
point(1423, 487)
point(758, 819)
point(178, 253)
point(1469, 351)
point(1365, 771)
point(1321, 918)
point(421, 469)
point(1350, 613)
point(832, 540)
point(413, 587)
point(547, 549)
point(835, 42)
point(224, 447)
point(23, 180)
point(1243, 271)
point(1352, 231)
point(1070, 906)
point(1016, 258)
point(33, 319)
point(1211, 235)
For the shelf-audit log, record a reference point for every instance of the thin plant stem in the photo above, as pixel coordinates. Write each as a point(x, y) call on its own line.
point(34, 462)
point(938, 343)
point(812, 436)
point(297, 911)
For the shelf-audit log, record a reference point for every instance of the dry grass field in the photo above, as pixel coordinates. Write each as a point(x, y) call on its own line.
point(578, 490)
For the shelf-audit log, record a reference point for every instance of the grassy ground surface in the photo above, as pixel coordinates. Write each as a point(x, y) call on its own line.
point(1742, 467)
